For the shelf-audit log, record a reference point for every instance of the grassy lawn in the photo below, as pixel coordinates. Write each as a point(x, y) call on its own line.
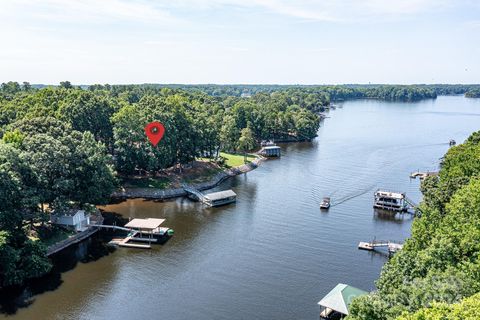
point(52, 235)
point(235, 160)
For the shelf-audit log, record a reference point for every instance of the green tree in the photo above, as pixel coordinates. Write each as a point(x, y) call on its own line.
point(440, 262)
point(85, 111)
point(66, 85)
point(246, 142)
point(14, 137)
point(468, 309)
point(20, 258)
point(229, 133)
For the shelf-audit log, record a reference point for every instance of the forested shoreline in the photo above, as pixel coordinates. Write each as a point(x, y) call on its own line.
point(474, 93)
point(66, 146)
point(437, 273)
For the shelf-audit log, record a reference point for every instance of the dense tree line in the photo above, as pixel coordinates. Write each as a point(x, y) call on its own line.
point(197, 124)
point(44, 163)
point(330, 93)
point(337, 92)
point(440, 263)
point(468, 309)
point(474, 93)
point(451, 89)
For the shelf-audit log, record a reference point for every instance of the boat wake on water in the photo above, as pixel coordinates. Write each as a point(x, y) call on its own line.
point(352, 196)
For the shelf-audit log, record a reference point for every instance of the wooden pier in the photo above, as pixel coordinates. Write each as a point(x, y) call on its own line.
point(422, 174)
point(391, 246)
point(123, 242)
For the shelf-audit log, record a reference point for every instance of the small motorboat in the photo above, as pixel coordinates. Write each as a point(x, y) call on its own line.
point(325, 204)
point(452, 142)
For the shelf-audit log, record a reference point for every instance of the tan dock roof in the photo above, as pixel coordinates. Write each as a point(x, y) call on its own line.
point(146, 224)
point(220, 195)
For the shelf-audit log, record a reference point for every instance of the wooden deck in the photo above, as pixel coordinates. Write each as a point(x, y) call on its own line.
point(422, 174)
point(391, 246)
point(124, 242)
point(121, 243)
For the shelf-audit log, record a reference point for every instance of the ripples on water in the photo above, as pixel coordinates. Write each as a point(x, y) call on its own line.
point(273, 254)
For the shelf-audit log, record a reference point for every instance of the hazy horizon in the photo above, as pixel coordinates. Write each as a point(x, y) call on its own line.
point(250, 84)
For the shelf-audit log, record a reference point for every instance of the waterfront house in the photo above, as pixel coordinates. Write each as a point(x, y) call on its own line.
point(336, 303)
point(73, 218)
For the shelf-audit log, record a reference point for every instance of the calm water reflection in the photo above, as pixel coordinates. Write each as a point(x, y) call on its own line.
point(273, 254)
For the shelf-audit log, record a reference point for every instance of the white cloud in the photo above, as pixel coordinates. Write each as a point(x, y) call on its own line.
point(172, 11)
point(325, 10)
point(86, 11)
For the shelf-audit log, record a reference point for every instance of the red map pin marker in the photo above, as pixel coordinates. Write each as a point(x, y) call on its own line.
point(154, 131)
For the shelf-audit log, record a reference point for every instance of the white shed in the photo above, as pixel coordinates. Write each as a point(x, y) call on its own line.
point(72, 218)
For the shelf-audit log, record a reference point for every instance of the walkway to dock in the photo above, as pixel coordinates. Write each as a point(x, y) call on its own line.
point(107, 226)
point(422, 174)
point(192, 191)
point(410, 202)
point(390, 245)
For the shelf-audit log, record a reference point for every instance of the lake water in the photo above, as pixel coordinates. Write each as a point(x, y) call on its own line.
point(273, 254)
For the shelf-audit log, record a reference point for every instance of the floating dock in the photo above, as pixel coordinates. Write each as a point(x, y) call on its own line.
point(123, 242)
point(391, 246)
point(422, 174)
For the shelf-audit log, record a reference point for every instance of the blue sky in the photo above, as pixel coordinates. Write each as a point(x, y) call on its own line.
point(240, 41)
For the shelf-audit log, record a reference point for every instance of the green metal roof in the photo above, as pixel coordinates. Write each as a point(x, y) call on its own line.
point(340, 297)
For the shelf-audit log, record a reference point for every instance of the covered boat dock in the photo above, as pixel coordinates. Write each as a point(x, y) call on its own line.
point(388, 200)
point(215, 199)
point(270, 151)
point(335, 304)
point(142, 230)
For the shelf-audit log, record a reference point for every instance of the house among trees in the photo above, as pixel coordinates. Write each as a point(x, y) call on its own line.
point(73, 218)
